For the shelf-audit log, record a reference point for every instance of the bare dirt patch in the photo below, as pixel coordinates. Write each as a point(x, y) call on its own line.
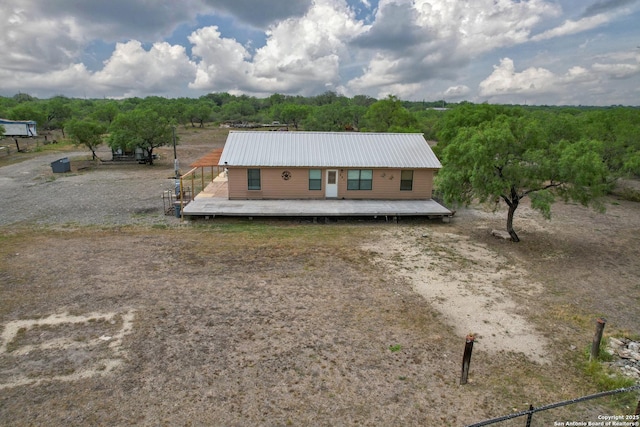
point(61, 347)
point(236, 322)
point(469, 284)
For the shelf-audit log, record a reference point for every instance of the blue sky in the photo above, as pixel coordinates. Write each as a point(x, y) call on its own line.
point(545, 52)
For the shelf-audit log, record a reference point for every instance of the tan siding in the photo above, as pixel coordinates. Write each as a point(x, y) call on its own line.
point(296, 187)
point(237, 182)
point(386, 185)
point(273, 185)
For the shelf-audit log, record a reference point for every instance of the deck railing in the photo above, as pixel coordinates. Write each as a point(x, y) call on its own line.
point(194, 181)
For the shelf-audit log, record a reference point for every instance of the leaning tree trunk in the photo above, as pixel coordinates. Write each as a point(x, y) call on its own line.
point(95, 156)
point(512, 232)
point(512, 201)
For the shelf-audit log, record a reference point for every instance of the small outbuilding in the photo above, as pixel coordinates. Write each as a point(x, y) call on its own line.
point(20, 128)
point(328, 165)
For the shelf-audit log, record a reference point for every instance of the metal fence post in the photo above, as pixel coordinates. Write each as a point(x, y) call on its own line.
point(530, 416)
point(466, 358)
point(595, 345)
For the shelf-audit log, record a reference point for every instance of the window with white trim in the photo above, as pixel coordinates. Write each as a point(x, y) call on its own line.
point(360, 179)
point(315, 179)
point(406, 180)
point(253, 179)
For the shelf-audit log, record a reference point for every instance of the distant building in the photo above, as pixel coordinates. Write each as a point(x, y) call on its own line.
point(328, 165)
point(19, 128)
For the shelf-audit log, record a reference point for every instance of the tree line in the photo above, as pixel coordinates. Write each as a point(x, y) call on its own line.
point(148, 122)
point(325, 112)
point(490, 153)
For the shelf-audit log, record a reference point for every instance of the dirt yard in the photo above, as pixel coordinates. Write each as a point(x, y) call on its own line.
point(121, 315)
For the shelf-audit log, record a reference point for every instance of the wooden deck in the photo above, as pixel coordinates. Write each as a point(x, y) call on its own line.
point(213, 201)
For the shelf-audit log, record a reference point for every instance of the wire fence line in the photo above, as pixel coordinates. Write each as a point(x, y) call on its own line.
point(529, 412)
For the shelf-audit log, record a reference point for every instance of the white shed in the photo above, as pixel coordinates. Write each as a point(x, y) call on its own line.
point(19, 128)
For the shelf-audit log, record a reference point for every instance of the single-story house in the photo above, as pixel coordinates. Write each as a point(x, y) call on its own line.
point(328, 165)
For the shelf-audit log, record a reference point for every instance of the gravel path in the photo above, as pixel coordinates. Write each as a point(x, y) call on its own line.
point(106, 194)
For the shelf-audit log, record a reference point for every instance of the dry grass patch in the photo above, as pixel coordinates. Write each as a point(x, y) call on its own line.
point(263, 322)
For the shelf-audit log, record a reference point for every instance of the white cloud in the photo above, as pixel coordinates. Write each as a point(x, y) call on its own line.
point(301, 55)
point(617, 71)
point(506, 81)
point(593, 84)
point(71, 81)
point(457, 92)
point(117, 20)
point(222, 63)
point(572, 27)
point(425, 39)
point(163, 70)
point(27, 45)
point(415, 49)
point(308, 49)
point(579, 74)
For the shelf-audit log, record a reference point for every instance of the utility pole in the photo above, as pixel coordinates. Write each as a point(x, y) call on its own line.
point(175, 153)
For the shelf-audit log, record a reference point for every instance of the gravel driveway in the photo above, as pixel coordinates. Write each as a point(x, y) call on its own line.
point(106, 194)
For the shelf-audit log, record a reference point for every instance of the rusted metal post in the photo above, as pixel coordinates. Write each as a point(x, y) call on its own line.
point(466, 358)
point(595, 345)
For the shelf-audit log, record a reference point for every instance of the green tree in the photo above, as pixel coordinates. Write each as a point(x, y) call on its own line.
point(86, 132)
point(619, 129)
point(509, 158)
point(469, 115)
point(198, 113)
point(106, 111)
point(219, 99)
point(275, 99)
point(27, 111)
point(388, 115)
point(238, 110)
point(363, 100)
point(23, 97)
point(428, 120)
point(294, 114)
point(329, 97)
point(58, 112)
point(355, 114)
point(140, 128)
point(326, 118)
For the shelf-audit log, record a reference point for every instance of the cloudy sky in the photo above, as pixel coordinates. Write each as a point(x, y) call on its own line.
point(500, 51)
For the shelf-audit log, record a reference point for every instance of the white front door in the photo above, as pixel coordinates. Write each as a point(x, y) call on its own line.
point(331, 189)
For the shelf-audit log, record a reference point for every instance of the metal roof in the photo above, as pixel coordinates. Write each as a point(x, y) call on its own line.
point(328, 149)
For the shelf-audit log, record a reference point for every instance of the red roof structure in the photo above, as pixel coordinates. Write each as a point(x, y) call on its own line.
point(208, 160)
